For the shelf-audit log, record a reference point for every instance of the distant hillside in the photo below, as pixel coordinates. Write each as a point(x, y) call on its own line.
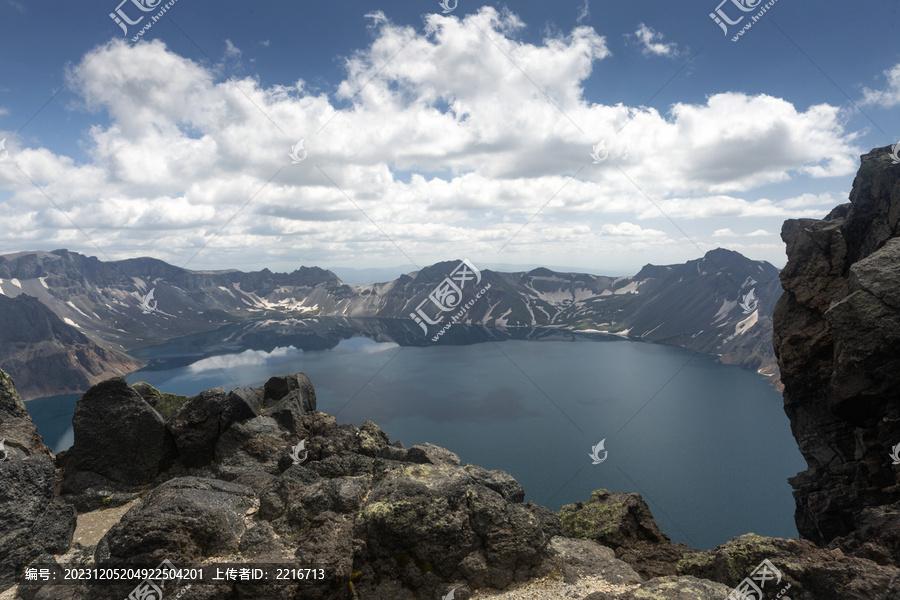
point(720, 304)
point(46, 356)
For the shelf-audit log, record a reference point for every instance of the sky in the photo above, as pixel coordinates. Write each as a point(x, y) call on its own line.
point(585, 134)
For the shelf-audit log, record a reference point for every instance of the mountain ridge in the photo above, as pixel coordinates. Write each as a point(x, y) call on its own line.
point(696, 305)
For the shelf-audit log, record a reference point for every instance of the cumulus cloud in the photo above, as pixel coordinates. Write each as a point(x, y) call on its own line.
point(435, 142)
point(889, 97)
point(651, 43)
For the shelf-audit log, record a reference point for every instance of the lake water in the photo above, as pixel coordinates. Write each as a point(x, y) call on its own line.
point(708, 446)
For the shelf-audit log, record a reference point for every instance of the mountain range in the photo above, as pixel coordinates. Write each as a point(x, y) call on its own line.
point(92, 313)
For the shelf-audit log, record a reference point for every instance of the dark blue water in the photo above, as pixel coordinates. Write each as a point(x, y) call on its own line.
point(708, 446)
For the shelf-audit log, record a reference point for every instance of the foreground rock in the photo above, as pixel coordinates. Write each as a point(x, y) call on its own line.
point(837, 336)
point(225, 478)
point(385, 520)
point(258, 476)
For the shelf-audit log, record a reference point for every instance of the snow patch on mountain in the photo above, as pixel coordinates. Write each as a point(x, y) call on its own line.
point(629, 289)
point(724, 310)
point(742, 327)
point(76, 309)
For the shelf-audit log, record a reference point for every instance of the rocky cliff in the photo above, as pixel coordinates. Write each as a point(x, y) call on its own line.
point(837, 337)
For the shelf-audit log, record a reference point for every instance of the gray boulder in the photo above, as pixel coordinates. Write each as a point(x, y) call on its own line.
point(581, 558)
point(118, 436)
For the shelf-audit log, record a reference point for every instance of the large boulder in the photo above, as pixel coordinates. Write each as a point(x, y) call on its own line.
point(429, 523)
point(118, 436)
point(258, 444)
point(184, 520)
point(623, 522)
point(582, 558)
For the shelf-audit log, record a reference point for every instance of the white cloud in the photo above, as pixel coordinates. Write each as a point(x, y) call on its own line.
point(889, 97)
point(232, 51)
point(727, 206)
point(630, 230)
point(584, 12)
point(728, 233)
point(434, 135)
point(651, 42)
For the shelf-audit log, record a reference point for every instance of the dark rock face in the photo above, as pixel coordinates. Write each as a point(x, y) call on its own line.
point(33, 523)
point(118, 436)
point(624, 523)
point(26, 494)
point(812, 573)
point(20, 436)
point(837, 336)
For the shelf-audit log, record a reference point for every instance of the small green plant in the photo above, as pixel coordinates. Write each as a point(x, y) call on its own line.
point(105, 502)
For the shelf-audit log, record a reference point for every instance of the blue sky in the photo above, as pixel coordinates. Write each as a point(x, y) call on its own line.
point(433, 136)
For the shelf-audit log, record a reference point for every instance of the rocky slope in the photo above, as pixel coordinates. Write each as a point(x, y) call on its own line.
point(837, 336)
point(718, 305)
point(257, 476)
point(48, 356)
